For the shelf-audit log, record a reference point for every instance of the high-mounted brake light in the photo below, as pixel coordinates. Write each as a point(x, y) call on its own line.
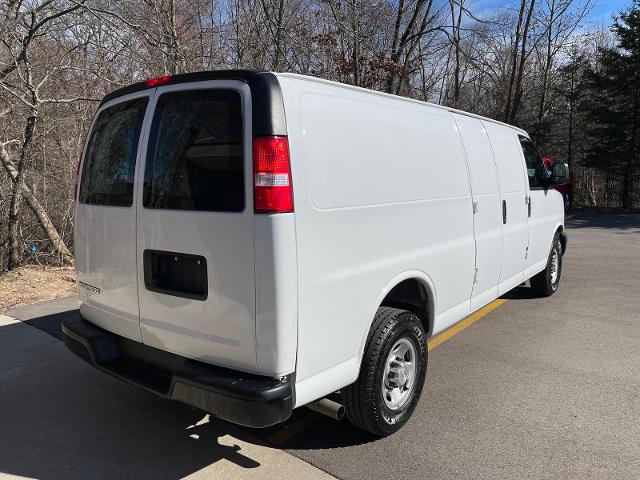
point(272, 192)
point(154, 82)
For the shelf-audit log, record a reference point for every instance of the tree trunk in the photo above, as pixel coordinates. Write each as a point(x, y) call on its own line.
point(514, 62)
point(571, 119)
point(355, 51)
point(394, 45)
point(43, 218)
point(15, 256)
point(548, 62)
point(279, 37)
point(626, 187)
point(456, 20)
point(517, 97)
point(592, 190)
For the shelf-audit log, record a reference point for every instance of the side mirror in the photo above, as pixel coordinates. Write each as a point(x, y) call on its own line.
point(559, 173)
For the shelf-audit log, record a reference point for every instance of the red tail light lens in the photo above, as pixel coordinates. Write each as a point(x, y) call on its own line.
point(272, 192)
point(154, 82)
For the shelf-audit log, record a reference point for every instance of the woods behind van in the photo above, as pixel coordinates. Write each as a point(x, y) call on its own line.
point(249, 242)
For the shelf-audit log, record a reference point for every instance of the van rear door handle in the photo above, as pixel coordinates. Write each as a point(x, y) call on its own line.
point(504, 212)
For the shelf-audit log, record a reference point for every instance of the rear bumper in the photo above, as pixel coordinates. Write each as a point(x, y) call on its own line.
point(245, 399)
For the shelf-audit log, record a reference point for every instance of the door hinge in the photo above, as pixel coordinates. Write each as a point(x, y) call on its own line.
point(526, 253)
point(475, 276)
point(475, 207)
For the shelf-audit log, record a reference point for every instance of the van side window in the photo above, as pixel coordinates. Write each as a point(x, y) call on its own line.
point(195, 154)
point(110, 158)
point(536, 170)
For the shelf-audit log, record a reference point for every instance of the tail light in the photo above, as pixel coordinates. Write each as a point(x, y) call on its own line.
point(75, 185)
point(273, 191)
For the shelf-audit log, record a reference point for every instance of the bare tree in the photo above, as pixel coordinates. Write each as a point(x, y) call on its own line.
point(559, 20)
point(23, 25)
point(519, 57)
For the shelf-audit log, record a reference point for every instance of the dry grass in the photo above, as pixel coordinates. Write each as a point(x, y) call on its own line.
point(32, 284)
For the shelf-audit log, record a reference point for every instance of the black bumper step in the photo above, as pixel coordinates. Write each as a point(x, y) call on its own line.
point(242, 398)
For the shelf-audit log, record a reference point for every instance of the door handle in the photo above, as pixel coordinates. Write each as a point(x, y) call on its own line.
point(504, 212)
point(529, 206)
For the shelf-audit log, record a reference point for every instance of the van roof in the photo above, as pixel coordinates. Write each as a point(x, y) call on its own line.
point(308, 78)
point(264, 91)
point(244, 75)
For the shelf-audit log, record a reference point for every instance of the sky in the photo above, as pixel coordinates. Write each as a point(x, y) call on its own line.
point(602, 12)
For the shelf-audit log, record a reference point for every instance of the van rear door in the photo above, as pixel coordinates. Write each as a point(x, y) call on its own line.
point(105, 219)
point(195, 219)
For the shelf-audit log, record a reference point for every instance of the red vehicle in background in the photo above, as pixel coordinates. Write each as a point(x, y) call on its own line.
point(566, 189)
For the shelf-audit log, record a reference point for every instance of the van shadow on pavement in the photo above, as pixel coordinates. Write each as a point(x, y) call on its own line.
point(60, 418)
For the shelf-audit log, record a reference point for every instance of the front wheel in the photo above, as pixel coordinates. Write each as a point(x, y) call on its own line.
point(546, 282)
point(392, 373)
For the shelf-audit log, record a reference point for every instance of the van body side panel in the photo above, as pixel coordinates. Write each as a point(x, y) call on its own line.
point(515, 229)
point(380, 188)
point(195, 143)
point(105, 221)
point(276, 294)
point(487, 219)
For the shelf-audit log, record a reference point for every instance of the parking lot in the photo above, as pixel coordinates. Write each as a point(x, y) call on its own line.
point(534, 388)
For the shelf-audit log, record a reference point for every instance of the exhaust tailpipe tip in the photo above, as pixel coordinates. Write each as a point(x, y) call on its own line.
point(328, 408)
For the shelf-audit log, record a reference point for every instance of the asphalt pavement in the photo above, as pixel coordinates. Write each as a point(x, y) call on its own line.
point(536, 388)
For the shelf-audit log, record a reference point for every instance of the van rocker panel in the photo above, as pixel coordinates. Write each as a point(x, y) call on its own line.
point(237, 397)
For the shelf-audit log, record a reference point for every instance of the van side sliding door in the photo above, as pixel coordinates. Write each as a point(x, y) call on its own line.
point(487, 220)
point(513, 211)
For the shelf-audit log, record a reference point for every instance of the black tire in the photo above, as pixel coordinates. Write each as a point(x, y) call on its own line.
point(543, 283)
point(364, 403)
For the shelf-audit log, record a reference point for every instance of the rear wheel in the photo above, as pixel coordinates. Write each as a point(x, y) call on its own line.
point(546, 282)
point(392, 373)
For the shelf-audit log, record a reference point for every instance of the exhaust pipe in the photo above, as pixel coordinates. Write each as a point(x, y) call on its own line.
point(327, 407)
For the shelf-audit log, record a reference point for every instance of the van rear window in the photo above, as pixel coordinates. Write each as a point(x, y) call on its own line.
point(110, 158)
point(195, 154)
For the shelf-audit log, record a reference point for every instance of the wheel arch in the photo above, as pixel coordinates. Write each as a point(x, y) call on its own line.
point(411, 290)
point(563, 237)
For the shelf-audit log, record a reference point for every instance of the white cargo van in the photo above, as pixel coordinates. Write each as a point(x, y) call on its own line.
point(250, 242)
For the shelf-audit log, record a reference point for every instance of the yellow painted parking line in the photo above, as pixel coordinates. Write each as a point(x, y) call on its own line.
point(458, 327)
point(291, 430)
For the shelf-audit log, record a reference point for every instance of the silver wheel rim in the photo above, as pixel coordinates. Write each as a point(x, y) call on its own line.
point(555, 264)
point(399, 374)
